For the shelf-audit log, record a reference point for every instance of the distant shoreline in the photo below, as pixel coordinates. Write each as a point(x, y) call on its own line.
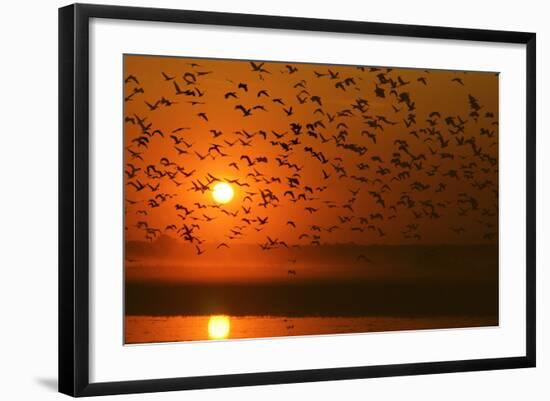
point(436, 298)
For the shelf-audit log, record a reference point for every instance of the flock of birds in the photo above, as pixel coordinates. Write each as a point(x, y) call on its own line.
point(345, 142)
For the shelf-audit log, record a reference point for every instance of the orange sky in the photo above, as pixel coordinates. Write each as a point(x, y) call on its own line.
point(428, 197)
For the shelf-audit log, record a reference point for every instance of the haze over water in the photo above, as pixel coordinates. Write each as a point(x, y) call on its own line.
point(403, 288)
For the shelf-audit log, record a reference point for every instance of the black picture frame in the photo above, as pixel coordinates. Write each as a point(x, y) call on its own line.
point(74, 198)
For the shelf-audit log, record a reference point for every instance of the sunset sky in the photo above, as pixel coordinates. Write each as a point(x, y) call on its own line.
point(341, 154)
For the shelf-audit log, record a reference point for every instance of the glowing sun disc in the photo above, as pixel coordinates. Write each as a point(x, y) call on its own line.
point(218, 327)
point(222, 192)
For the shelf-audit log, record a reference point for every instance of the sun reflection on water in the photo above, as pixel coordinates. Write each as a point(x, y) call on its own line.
point(218, 327)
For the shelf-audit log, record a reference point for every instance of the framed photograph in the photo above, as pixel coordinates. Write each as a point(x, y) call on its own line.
point(249, 199)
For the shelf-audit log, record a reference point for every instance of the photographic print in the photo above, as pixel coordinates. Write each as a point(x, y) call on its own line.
point(267, 199)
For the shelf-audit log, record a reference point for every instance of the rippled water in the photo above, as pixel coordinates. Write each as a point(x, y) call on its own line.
point(148, 329)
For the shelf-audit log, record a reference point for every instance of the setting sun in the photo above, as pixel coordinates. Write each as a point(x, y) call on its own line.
point(218, 327)
point(222, 192)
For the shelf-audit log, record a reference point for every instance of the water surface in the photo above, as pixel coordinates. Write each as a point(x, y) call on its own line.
point(152, 329)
